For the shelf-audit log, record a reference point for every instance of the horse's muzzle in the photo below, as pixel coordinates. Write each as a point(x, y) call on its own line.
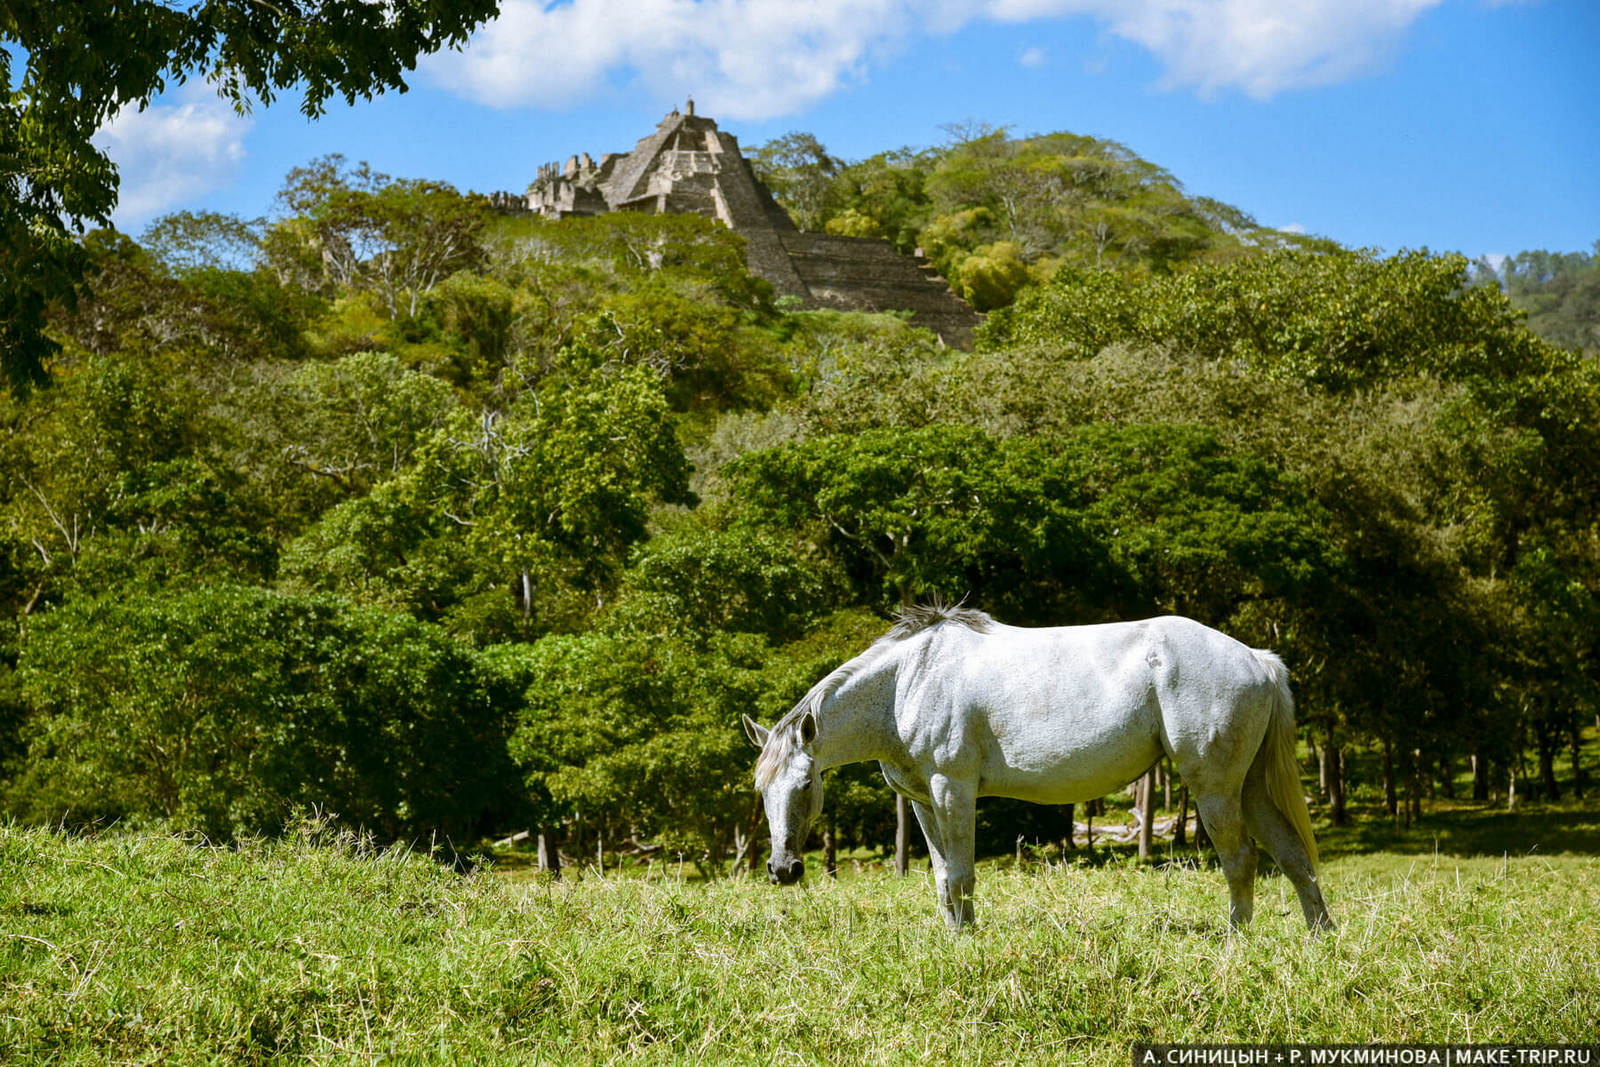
point(786, 873)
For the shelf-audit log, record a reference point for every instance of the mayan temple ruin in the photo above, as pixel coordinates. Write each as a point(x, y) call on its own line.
point(689, 166)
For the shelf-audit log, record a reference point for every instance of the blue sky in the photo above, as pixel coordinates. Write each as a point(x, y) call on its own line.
point(1457, 125)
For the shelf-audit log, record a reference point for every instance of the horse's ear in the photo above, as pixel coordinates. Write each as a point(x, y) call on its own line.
point(755, 732)
point(808, 728)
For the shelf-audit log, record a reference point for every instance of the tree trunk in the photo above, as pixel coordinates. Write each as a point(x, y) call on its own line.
point(1545, 737)
point(1180, 835)
point(755, 845)
point(1480, 777)
point(830, 855)
point(1391, 802)
point(1447, 776)
point(1147, 794)
point(1575, 746)
point(549, 858)
point(1336, 784)
point(902, 836)
point(1413, 786)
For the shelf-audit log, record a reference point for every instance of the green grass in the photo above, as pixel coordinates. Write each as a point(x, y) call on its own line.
point(140, 948)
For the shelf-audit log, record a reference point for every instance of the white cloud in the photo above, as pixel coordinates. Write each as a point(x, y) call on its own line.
point(755, 59)
point(169, 154)
point(739, 58)
point(1265, 46)
point(1032, 57)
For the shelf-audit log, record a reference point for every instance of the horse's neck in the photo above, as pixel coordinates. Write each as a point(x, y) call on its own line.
point(856, 721)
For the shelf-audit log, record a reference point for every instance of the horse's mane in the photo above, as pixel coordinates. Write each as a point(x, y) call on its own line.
point(784, 737)
point(916, 618)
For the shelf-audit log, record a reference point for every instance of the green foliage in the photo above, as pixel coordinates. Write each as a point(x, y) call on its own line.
point(1105, 521)
point(1560, 292)
point(890, 190)
point(639, 733)
point(84, 62)
point(631, 245)
point(226, 709)
point(699, 581)
point(110, 469)
point(360, 230)
point(798, 170)
point(992, 275)
point(995, 213)
point(506, 522)
point(692, 343)
point(359, 420)
point(1200, 530)
point(852, 223)
point(1330, 320)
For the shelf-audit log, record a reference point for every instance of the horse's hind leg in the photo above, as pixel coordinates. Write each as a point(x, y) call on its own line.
point(1224, 821)
point(1268, 825)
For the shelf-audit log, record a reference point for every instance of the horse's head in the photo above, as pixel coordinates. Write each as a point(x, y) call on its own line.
point(791, 791)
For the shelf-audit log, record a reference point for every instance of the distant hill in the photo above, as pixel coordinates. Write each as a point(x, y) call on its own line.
point(1560, 291)
point(995, 212)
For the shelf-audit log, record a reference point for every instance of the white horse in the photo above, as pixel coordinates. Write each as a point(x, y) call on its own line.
point(955, 706)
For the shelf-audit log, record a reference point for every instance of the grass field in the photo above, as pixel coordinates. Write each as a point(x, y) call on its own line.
point(140, 948)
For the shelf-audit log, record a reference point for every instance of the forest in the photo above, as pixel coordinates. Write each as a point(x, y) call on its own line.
point(456, 523)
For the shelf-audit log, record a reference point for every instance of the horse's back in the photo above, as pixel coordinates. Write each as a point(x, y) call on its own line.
point(1063, 714)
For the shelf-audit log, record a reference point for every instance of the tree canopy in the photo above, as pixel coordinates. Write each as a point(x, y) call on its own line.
point(81, 63)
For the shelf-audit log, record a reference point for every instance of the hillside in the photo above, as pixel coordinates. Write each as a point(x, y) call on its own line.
point(995, 213)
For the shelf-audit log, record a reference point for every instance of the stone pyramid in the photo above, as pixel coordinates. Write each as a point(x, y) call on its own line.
point(689, 166)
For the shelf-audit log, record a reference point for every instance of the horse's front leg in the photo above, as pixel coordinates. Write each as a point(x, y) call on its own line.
point(955, 810)
point(935, 842)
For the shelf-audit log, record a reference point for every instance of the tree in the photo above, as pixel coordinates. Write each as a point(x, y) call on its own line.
point(225, 709)
point(991, 276)
point(533, 508)
point(83, 62)
point(1561, 294)
point(1101, 523)
point(397, 237)
point(639, 734)
point(359, 420)
point(700, 580)
point(799, 171)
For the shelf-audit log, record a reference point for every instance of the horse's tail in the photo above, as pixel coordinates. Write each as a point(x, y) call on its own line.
point(1276, 759)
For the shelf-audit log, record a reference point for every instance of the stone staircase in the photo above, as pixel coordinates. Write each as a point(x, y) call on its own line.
point(867, 274)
